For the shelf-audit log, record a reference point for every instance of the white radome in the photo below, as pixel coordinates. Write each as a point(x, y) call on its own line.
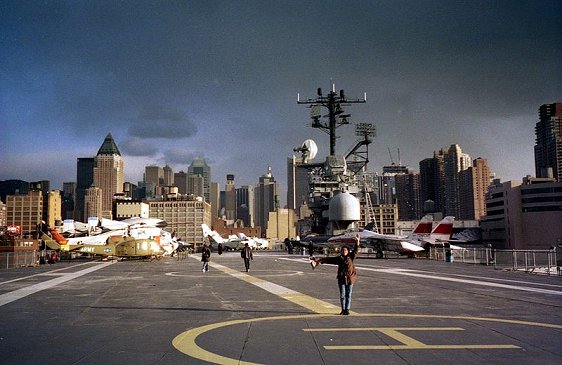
point(312, 149)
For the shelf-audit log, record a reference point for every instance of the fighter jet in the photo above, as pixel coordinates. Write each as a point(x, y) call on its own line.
point(407, 245)
point(233, 242)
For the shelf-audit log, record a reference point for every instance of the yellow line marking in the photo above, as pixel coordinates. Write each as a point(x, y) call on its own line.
point(422, 347)
point(509, 321)
point(409, 343)
point(186, 341)
point(305, 301)
point(347, 329)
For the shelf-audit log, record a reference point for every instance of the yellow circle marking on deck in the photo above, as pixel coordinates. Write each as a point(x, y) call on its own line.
point(186, 341)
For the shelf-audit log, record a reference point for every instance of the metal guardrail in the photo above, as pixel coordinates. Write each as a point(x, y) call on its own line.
point(10, 260)
point(539, 261)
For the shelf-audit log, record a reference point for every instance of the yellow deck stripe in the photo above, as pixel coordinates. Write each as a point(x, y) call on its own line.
point(305, 301)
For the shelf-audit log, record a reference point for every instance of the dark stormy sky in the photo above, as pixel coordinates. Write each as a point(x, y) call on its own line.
point(174, 80)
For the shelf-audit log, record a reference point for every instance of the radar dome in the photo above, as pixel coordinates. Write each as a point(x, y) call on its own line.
point(310, 148)
point(344, 207)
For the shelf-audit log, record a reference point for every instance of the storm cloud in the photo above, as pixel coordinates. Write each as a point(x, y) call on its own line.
point(175, 80)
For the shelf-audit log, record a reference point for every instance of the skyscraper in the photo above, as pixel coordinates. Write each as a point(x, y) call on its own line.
point(548, 142)
point(230, 198)
point(68, 199)
point(180, 180)
point(25, 211)
point(93, 201)
point(214, 200)
point(168, 175)
point(267, 196)
point(84, 179)
point(473, 186)
point(200, 167)
point(245, 205)
point(432, 180)
point(455, 161)
point(408, 196)
point(195, 185)
point(297, 183)
point(108, 173)
point(153, 178)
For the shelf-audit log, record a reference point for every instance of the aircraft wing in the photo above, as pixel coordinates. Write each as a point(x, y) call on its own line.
point(410, 247)
point(112, 225)
point(398, 245)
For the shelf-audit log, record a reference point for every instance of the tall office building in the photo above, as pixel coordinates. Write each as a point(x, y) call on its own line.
point(245, 205)
point(168, 175)
point(455, 161)
point(108, 173)
point(267, 198)
point(12, 187)
point(196, 185)
point(432, 182)
point(84, 179)
point(230, 198)
point(473, 187)
point(215, 200)
point(180, 180)
point(298, 186)
point(523, 215)
point(153, 178)
point(68, 199)
point(93, 202)
point(389, 173)
point(408, 196)
point(200, 167)
point(548, 142)
point(183, 217)
point(25, 211)
point(53, 215)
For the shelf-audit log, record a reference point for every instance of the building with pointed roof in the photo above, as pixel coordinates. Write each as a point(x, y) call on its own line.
point(109, 173)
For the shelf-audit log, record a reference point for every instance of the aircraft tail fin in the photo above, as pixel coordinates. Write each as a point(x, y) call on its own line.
point(444, 229)
point(207, 232)
point(57, 236)
point(424, 226)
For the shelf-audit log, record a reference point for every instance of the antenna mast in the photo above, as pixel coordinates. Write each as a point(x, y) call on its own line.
point(336, 117)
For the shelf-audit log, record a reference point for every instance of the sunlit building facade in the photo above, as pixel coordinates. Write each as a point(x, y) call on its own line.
point(108, 174)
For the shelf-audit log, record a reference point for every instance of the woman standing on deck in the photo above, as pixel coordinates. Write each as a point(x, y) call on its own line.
point(347, 275)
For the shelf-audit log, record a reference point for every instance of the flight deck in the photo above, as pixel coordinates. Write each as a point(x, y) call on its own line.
point(403, 311)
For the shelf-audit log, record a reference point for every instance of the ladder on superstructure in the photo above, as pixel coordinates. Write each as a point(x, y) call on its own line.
point(369, 205)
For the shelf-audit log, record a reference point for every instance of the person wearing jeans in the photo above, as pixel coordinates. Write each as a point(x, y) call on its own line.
point(347, 275)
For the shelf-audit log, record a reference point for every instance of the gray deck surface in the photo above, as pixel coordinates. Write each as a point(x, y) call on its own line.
point(405, 311)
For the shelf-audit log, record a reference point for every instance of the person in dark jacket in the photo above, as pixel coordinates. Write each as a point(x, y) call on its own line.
point(247, 255)
point(310, 249)
point(219, 250)
point(347, 275)
point(205, 258)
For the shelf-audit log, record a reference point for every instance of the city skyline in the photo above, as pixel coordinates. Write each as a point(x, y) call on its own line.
point(219, 80)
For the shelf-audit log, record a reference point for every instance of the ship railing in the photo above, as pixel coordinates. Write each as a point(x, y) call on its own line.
point(10, 260)
point(536, 261)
